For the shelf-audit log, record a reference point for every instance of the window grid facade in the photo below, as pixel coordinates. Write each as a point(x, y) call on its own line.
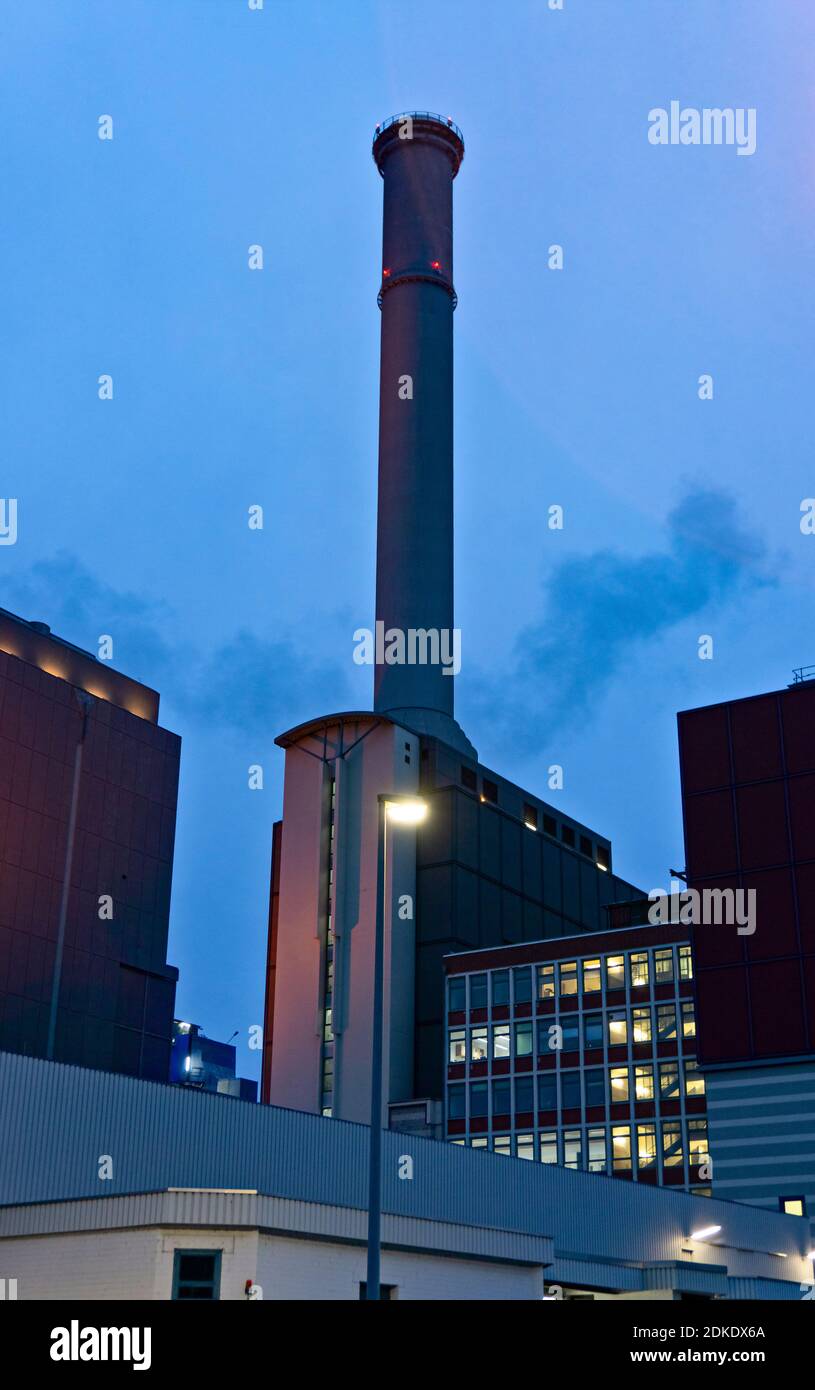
point(586, 1061)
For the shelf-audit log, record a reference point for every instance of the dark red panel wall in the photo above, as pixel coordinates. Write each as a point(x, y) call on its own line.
point(117, 992)
point(748, 800)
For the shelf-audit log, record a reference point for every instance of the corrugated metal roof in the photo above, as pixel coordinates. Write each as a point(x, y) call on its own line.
point(57, 1122)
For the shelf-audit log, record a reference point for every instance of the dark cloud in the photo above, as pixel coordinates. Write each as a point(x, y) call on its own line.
point(603, 607)
point(246, 684)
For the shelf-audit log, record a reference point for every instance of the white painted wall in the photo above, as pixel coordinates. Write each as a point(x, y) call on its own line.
point(138, 1264)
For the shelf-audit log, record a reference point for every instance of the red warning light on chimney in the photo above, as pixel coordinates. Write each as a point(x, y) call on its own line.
point(435, 265)
point(386, 272)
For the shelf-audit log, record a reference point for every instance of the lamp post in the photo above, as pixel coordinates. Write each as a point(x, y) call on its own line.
point(402, 810)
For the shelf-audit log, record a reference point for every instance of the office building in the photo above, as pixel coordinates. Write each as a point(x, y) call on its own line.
point(581, 1051)
point(88, 787)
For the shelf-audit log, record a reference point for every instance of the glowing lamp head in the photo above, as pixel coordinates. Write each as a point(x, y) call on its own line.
point(412, 811)
point(435, 265)
point(705, 1232)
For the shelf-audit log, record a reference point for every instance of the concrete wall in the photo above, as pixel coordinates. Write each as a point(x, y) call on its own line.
point(138, 1264)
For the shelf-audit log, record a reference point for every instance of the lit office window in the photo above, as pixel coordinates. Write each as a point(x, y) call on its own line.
point(523, 1039)
point(546, 982)
point(685, 963)
point(572, 1149)
point(480, 1142)
point(694, 1080)
point(500, 988)
point(458, 1045)
point(644, 1082)
point(592, 980)
point(664, 965)
point(619, 1084)
point(646, 1146)
point(500, 1040)
point(617, 1030)
point(478, 1099)
point(478, 991)
point(593, 1031)
point(570, 1090)
point(526, 1146)
point(479, 1047)
point(595, 1086)
point(793, 1206)
point(598, 1159)
point(672, 1151)
point(568, 977)
point(522, 984)
point(697, 1142)
point(669, 1080)
point(548, 1146)
point(621, 1148)
point(615, 972)
point(524, 1094)
point(457, 994)
point(501, 1097)
point(502, 1144)
point(457, 1102)
point(688, 1021)
point(639, 970)
point(641, 1025)
point(666, 1022)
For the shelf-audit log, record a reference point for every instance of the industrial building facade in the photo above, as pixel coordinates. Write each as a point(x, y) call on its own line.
point(581, 1051)
point(88, 789)
point(748, 803)
point(206, 1193)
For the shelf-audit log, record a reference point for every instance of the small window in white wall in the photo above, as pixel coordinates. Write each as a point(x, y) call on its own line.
point(197, 1275)
point(386, 1291)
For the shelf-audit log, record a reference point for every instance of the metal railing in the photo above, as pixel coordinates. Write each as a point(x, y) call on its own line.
point(420, 116)
point(802, 673)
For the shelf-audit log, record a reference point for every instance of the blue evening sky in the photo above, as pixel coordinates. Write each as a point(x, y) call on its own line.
point(579, 388)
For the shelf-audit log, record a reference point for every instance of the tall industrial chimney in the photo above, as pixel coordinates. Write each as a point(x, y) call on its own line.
point(418, 156)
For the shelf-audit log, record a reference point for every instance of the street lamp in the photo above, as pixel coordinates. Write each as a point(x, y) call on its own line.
point(402, 810)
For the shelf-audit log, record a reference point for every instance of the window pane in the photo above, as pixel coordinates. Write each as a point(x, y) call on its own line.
point(694, 1080)
point(522, 984)
point(500, 987)
point(644, 1082)
point(568, 977)
point(526, 1146)
point(669, 1080)
point(524, 1094)
point(478, 991)
point(641, 1025)
point(548, 1147)
point(672, 1155)
point(458, 1046)
point(619, 1084)
point(500, 1040)
point(646, 1146)
point(478, 1098)
point(571, 1035)
point(688, 1021)
point(570, 1090)
point(502, 1144)
point(617, 1031)
point(666, 1022)
point(479, 1049)
point(597, 1151)
point(572, 1149)
point(457, 994)
point(593, 1030)
point(685, 963)
point(547, 1091)
point(639, 970)
point(595, 1087)
point(523, 1039)
point(546, 982)
point(621, 1148)
point(456, 1102)
point(664, 965)
point(501, 1098)
point(615, 972)
point(591, 976)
